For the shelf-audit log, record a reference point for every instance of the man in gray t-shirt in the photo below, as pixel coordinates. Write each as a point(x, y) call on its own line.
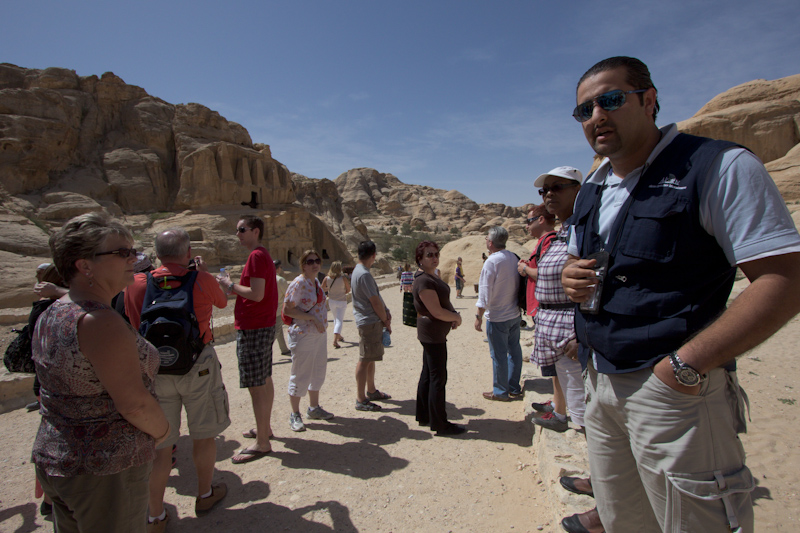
point(372, 316)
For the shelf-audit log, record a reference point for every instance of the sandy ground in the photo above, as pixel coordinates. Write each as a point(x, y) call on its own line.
point(381, 472)
point(359, 471)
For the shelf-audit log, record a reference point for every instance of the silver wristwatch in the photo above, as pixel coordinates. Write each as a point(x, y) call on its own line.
point(684, 374)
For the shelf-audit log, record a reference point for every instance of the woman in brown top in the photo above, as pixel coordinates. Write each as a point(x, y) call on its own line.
point(436, 318)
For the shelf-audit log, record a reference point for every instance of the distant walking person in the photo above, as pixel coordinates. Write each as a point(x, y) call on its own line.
point(497, 302)
point(254, 320)
point(337, 287)
point(282, 285)
point(371, 316)
point(436, 317)
point(460, 278)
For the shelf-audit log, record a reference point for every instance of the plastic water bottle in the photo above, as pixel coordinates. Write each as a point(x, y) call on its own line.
point(387, 339)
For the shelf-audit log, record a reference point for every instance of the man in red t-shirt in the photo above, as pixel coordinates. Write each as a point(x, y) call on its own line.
point(254, 320)
point(200, 392)
point(541, 226)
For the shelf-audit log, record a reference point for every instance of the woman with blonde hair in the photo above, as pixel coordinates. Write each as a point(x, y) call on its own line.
point(337, 286)
point(96, 442)
point(304, 304)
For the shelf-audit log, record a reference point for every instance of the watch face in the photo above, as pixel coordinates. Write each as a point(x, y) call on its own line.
point(687, 376)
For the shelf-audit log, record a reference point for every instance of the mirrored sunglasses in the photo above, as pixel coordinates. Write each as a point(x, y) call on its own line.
point(609, 101)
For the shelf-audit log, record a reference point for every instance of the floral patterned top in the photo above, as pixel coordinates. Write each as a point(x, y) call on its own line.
point(81, 431)
point(304, 294)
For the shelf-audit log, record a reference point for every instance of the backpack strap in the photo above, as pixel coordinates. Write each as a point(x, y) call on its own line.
point(547, 239)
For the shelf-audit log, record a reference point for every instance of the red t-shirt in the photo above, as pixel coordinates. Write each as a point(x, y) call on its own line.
point(249, 314)
point(533, 304)
point(206, 293)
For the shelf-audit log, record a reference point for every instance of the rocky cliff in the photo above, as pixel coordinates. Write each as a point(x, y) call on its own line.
point(113, 143)
point(73, 144)
point(364, 199)
point(764, 116)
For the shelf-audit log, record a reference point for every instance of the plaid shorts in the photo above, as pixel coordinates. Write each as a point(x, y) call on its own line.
point(254, 351)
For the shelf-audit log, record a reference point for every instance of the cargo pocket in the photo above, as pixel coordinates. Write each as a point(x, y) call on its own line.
point(221, 405)
point(738, 400)
point(690, 497)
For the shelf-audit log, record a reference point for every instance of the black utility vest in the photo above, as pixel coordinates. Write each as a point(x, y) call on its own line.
point(667, 277)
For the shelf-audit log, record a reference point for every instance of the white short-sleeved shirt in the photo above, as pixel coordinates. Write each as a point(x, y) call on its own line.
point(740, 205)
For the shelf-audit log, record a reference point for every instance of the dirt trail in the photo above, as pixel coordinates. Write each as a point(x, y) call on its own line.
point(358, 472)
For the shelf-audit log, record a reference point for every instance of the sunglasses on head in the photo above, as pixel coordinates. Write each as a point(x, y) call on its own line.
point(432, 254)
point(554, 188)
point(242, 229)
point(609, 101)
point(122, 252)
point(316, 261)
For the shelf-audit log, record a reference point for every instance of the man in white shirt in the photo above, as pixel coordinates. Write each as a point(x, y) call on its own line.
point(497, 302)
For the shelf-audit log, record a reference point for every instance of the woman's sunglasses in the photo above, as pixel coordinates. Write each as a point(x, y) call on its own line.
point(316, 261)
point(610, 101)
point(122, 252)
point(558, 187)
point(432, 254)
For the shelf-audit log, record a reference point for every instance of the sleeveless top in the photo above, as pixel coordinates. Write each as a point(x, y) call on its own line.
point(81, 431)
point(336, 291)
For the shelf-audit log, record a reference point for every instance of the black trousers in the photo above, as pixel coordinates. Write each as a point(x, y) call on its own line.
point(430, 391)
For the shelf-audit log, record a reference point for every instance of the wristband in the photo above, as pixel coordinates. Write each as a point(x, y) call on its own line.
point(230, 288)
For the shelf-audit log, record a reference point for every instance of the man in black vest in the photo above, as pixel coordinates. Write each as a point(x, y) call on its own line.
point(669, 217)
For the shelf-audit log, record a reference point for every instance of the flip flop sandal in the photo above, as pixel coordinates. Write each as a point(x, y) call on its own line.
point(249, 455)
point(377, 395)
point(251, 434)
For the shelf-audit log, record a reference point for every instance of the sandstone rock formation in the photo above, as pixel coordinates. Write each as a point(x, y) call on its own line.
point(763, 116)
point(363, 199)
point(112, 142)
point(321, 197)
point(74, 144)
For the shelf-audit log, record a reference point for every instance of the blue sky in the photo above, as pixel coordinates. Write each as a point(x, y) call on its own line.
point(467, 95)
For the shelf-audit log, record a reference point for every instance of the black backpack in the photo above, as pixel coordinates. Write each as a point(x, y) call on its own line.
point(168, 321)
point(19, 354)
